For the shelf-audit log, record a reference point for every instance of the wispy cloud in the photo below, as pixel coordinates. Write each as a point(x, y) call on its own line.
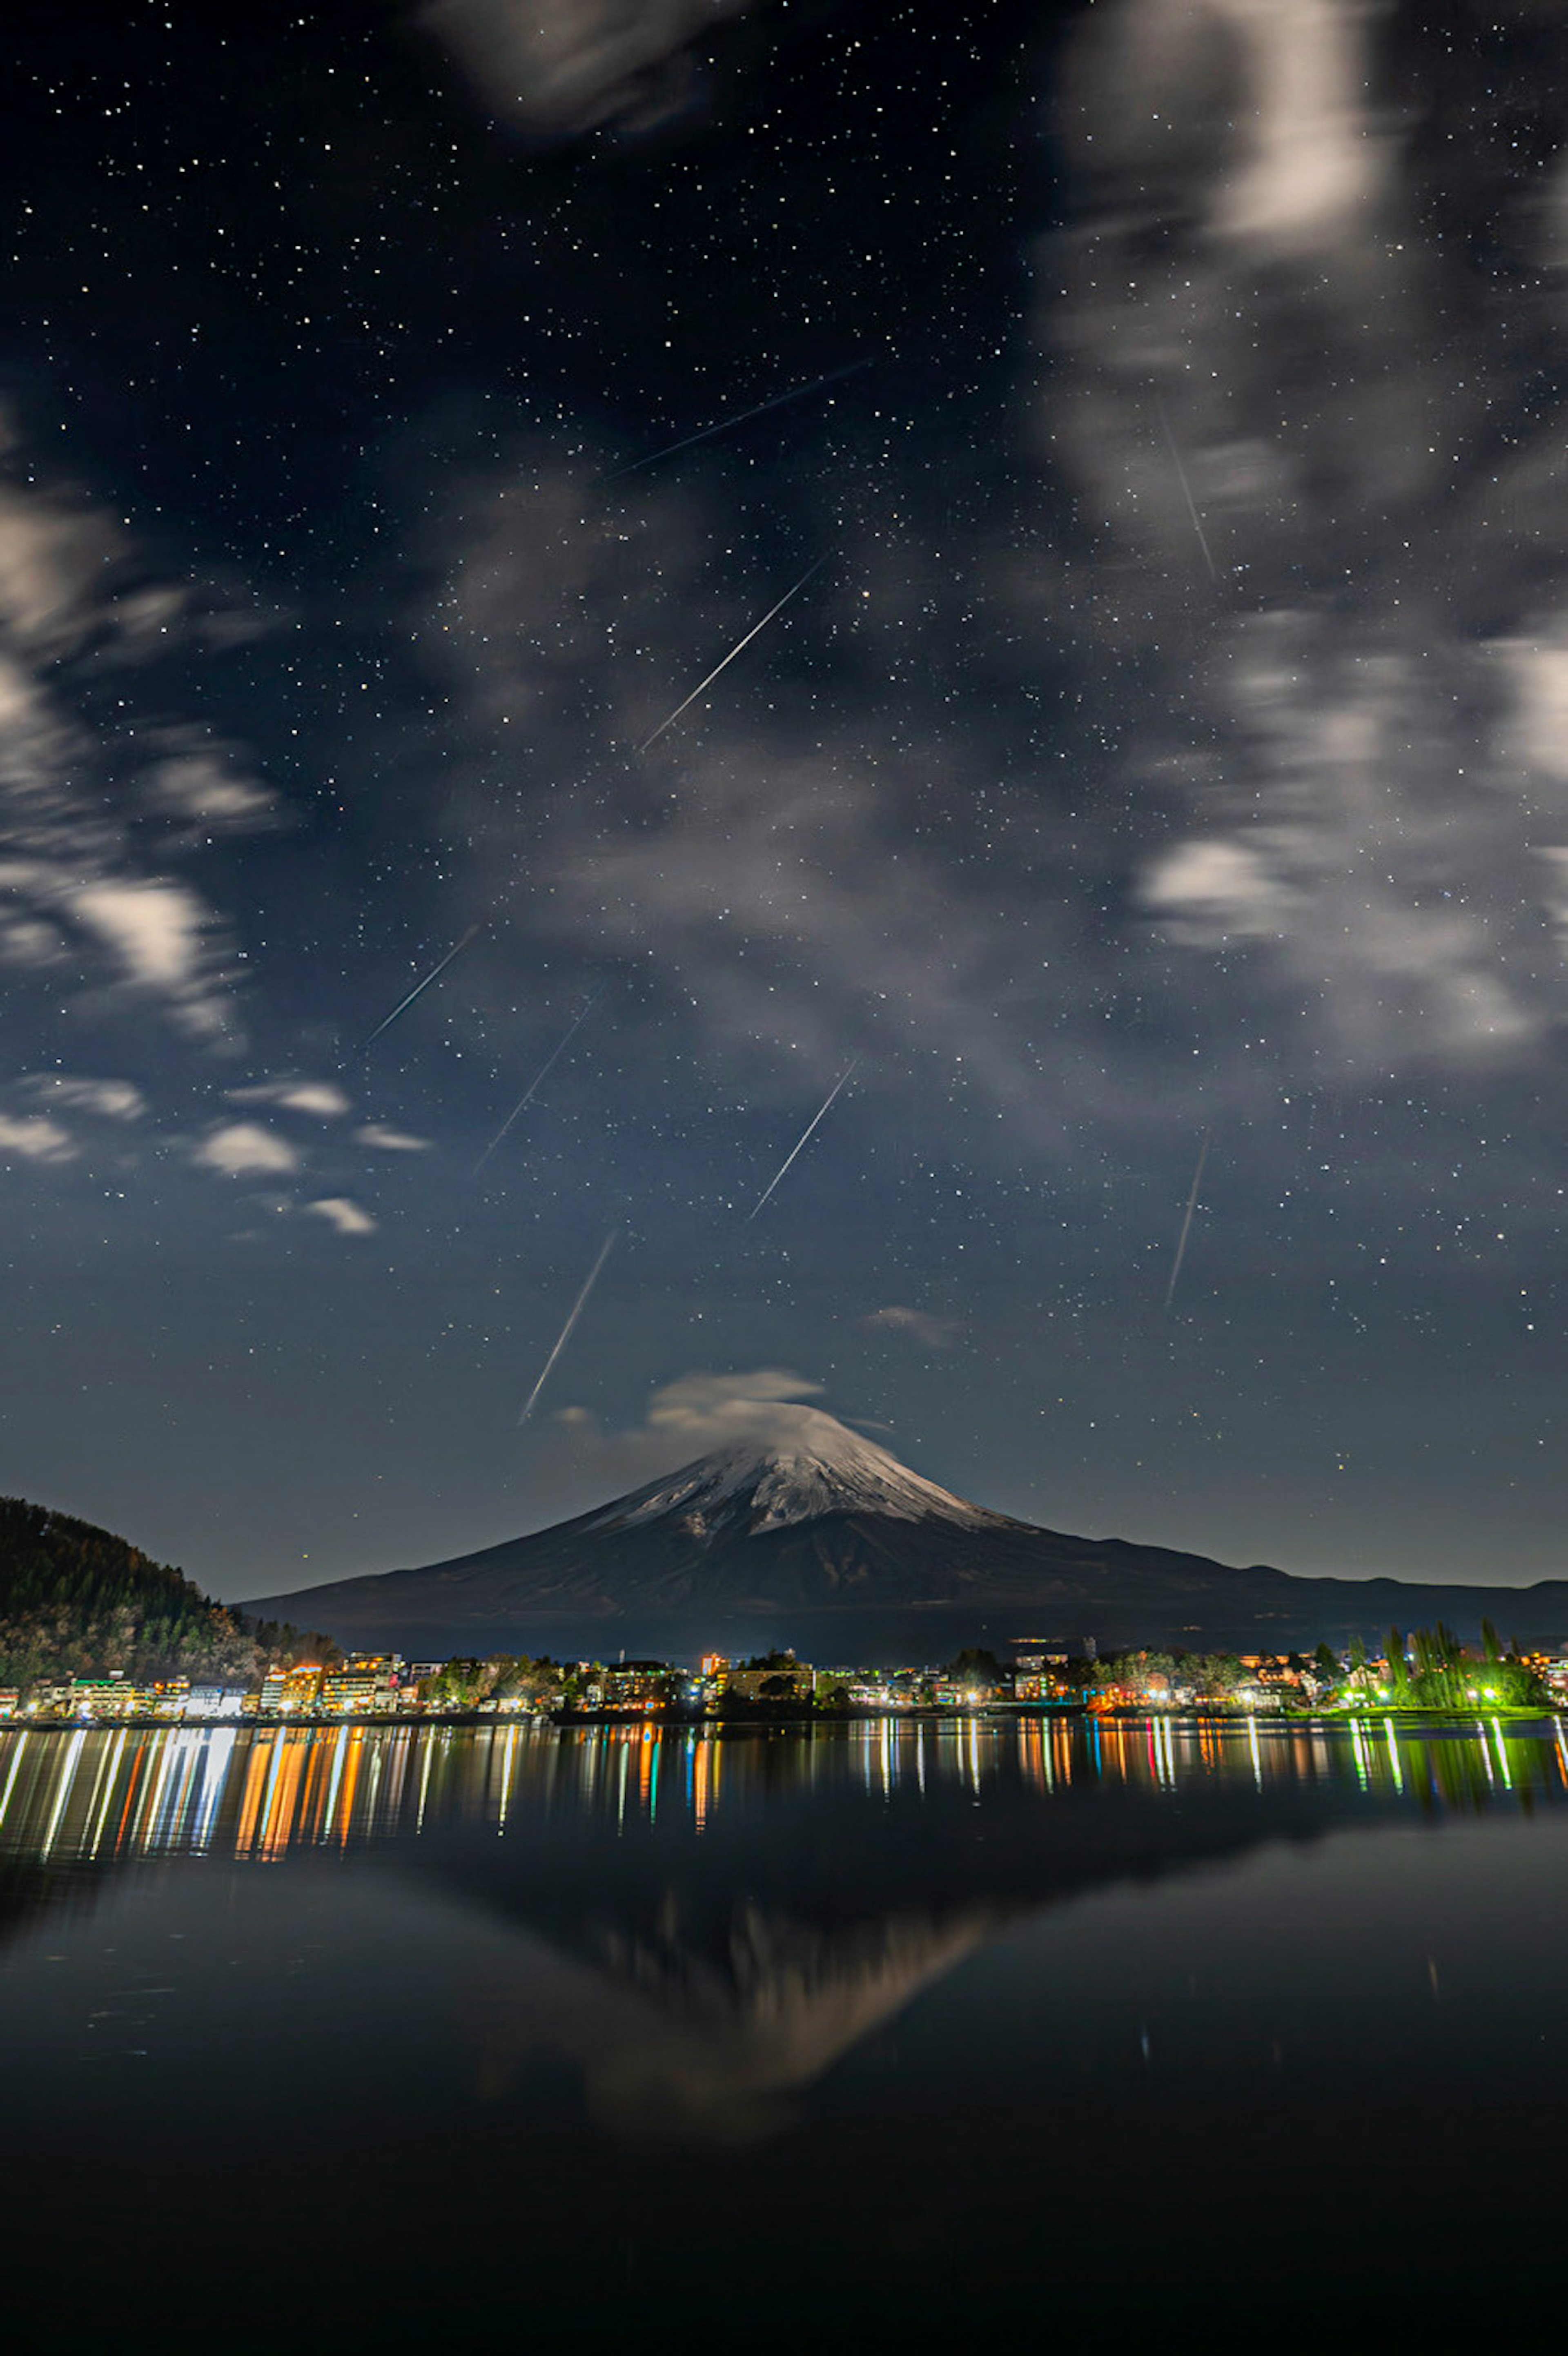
point(35, 1137)
point(383, 1140)
point(211, 796)
point(322, 1099)
point(345, 1217)
point(1364, 721)
point(118, 1100)
point(932, 1332)
point(83, 887)
point(561, 66)
point(242, 1148)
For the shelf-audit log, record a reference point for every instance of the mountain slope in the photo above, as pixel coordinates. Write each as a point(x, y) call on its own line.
point(76, 1600)
point(825, 1541)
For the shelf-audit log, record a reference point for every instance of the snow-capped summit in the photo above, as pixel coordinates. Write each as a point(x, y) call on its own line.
point(810, 1465)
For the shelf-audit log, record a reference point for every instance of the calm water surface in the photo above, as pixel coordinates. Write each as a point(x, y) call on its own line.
point(382, 2037)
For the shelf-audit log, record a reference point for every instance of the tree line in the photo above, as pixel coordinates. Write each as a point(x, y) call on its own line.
point(75, 1600)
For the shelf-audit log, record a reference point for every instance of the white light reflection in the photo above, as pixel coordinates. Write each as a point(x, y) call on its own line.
point(110, 1781)
point(423, 1787)
point(23, 1739)
point(506, 1780)
point(73, 1759)
point(328, 1814)
point(218, 1758)
point(274, 1765)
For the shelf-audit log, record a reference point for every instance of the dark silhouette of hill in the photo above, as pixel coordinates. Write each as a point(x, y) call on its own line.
point(76, 1600)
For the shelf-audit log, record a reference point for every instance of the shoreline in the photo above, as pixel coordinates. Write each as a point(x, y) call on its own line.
point(1405, 1720)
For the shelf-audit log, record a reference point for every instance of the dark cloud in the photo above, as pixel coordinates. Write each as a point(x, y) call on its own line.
point(569, 66)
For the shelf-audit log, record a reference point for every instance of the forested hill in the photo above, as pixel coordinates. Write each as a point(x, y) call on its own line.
point(77, 1601)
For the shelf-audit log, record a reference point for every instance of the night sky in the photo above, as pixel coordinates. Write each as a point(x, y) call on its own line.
point(1156, 438)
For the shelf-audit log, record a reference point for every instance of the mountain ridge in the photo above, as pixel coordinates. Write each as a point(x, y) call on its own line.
point(821, 1538)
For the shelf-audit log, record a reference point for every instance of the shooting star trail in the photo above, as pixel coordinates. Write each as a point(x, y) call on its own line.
point(403, 1003)
point(821, 1112)
point(742, 417)
point(541, 1076)
point(577, 1308)
point(1185, 487)
point(735, 650)
point(1186, 1223)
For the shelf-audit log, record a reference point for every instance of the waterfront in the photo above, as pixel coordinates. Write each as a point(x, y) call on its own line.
point(366, 2034)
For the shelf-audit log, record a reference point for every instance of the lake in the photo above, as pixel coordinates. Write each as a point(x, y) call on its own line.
point(382, 2036)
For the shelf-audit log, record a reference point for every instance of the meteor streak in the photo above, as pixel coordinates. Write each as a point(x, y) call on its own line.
point(541, 1076)
point(778, 1173)
point(1185, 487)
point(743, 417)
point(577, 1307)
point(1186, 1223)
point(735, 650)
point(421, 986)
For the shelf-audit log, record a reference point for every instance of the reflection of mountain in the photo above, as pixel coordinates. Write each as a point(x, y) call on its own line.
point(703, 1983)
point(706, 1926)
point(671, 2046)
point(826, 1542)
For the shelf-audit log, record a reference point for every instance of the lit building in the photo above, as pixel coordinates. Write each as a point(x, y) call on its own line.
point(1038, 1675)
point(632, 1686)
point(786, 1679)
point(292, 1689)
point(366, 1682)
point(215, 1701)
point(118, 1696)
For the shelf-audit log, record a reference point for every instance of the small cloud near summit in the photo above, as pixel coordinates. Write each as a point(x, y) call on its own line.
point(709, 1410)
point(688, 1418)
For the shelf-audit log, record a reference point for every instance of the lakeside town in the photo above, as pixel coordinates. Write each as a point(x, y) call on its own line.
point(1430, 1670)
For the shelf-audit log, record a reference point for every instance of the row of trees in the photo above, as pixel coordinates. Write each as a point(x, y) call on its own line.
point(464, 1684)
point(1208, 1676)
point(1433, 1670)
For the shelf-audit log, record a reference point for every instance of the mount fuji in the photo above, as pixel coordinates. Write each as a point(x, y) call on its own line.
point(819, 1539)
